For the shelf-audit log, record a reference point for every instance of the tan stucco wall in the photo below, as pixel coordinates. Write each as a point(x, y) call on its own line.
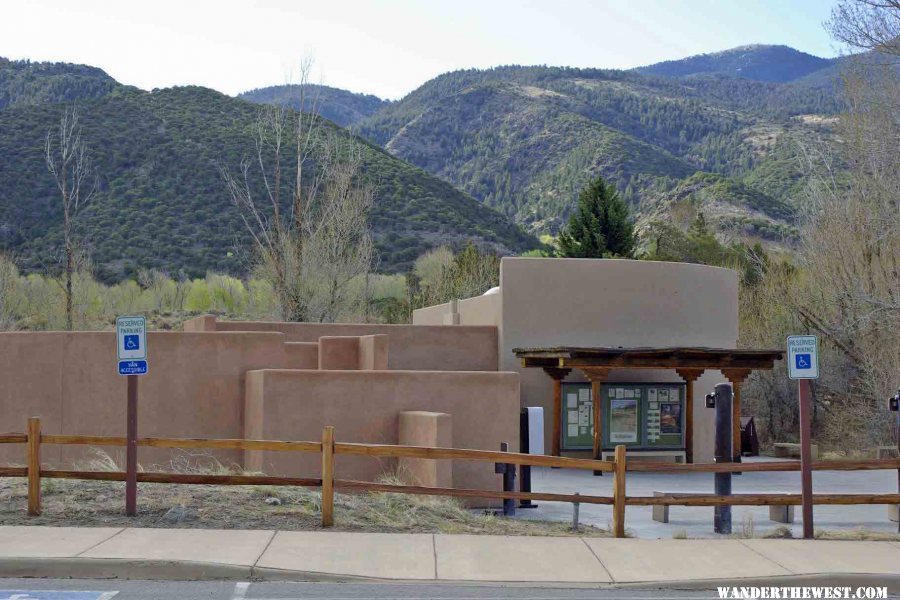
point(302, 355)
point(583, 302)
point(429, 429)
point(373, 353)
point(480, 310)
point(365, 406)
point(194, 388)
point(412, 347)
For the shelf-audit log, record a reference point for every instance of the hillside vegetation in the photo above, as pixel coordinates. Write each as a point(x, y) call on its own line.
point(340, 106)
point(25, 82)
point(525, 140)
point(161, 202)
point(758, 61)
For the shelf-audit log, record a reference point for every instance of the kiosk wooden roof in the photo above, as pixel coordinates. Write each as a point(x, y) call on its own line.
point(689, 362)
point(648, 358)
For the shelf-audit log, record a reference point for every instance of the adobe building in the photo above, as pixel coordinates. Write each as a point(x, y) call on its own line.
point(546, 309)
point(451, 378)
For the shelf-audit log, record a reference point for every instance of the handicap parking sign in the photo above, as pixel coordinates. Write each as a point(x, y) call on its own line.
point(802, 361)
point(131, 345)
point(132, 342)
point(803, 357)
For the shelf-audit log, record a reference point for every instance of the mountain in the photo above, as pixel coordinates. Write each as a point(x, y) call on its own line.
point(26, 82)
point(340, 106)
point(525, 140)
point(778, 64)
point(161, 202)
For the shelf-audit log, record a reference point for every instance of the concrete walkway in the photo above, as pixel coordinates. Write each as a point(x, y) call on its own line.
point(340, 556)
point(696, 522)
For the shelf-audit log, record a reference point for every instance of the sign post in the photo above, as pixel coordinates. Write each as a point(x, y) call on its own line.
point(803, 365)
point(131, 351)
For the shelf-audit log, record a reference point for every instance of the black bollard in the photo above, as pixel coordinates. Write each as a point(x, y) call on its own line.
point(525, 475)
point(722, 514)
point(509, 482)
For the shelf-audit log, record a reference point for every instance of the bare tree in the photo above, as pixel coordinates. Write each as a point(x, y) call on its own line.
point(68, 161)
point(845, 285)
point(9, 306)
point(313, 246)
point(867, 25)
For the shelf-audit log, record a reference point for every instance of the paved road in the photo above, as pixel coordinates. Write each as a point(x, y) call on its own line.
point(87, 589)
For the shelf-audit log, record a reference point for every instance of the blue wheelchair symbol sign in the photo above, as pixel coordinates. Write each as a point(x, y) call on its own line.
point(132, 342)
point(803, 361)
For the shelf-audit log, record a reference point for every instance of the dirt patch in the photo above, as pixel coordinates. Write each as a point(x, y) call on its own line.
point(101, 504)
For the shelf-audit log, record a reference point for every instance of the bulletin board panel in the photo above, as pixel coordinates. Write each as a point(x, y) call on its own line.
point(643, 415)
point(637, 415)
point(577, 417)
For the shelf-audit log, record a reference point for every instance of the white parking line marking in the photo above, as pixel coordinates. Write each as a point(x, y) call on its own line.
point(240, 590)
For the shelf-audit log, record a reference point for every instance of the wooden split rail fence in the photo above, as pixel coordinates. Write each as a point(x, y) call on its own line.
point(329, 448)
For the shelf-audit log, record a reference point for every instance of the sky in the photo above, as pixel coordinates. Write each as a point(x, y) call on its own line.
point(387, 47)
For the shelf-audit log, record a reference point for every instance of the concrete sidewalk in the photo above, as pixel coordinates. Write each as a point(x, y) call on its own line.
point(340, 556)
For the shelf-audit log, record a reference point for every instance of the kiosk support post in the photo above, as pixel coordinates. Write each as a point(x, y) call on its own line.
point(131, 448)
point(722, 514)
point(689, 376)
point(736, 377)
point(596, 376)
point(557, 375)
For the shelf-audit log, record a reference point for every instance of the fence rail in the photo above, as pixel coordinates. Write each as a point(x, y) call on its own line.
point(328, 449)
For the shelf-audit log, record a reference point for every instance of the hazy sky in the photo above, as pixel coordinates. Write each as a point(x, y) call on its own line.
point(387, 47)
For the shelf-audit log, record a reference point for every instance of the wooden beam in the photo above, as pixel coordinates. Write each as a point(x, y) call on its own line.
point(619, 493)
point(736, 377)
point(689, 376)
point(649, 358)
point(633, 362)
point(343, 484)
point(759, 499)
point(557, 375)
point(34, 466)
point(513, 458)
point(328, 476)
point(596, 377)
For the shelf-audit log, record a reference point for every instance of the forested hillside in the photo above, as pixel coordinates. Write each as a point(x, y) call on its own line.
point(26, 82)
point(717, 134)
point(161, 201)
point(343, 107)
point(760, 62)
point(524, 140)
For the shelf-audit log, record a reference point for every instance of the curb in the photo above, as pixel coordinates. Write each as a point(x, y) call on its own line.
point(185, 570)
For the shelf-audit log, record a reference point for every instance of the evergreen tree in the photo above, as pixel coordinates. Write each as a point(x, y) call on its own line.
point(600, 227)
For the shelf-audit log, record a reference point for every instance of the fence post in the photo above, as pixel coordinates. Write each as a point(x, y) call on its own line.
point(328, 476)
point(619, 493)
point(34, 466)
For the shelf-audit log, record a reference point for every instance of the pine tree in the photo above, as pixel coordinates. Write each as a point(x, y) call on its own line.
point(600, 227)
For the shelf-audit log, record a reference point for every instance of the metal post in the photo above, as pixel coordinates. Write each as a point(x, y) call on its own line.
point(806, 459)
point(723, 453)
point(131, 448)
point(575, 508)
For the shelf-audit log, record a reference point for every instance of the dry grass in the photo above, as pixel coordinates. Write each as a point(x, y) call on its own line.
point(857, 535)
point(857, 454)
point(782, 532)
point(101, 503)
